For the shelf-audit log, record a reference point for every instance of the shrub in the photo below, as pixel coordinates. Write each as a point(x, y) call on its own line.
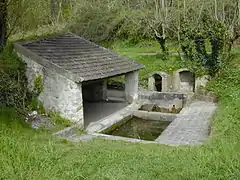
point(210, 35)
point(13, 82)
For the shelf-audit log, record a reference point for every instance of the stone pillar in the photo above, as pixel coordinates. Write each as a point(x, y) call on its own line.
point(151, 84)
point(131, 86)
point(176, 81)
point(104, 90)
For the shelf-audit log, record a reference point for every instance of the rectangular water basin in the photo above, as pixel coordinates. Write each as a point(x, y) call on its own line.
point(138, 128)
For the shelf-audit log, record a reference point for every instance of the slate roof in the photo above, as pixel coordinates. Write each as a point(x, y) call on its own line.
point(76, 57)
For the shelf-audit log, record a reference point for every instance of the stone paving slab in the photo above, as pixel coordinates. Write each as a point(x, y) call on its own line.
point(191, 127)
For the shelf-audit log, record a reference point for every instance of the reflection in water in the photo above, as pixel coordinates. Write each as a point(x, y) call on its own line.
point(138, 128)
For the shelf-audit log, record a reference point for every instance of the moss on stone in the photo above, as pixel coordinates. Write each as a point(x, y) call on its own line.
point(38, 85)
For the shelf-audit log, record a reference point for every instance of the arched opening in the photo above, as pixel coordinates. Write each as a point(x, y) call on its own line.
point(158, 82)
point(187, 81)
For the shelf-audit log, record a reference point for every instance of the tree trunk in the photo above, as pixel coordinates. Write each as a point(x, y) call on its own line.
point(161, 40)
point(163, 4)
point(54, 9)
point(3, 23)
point(216, 9)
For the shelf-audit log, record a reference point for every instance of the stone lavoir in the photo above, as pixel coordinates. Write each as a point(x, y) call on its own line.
point(74, 74)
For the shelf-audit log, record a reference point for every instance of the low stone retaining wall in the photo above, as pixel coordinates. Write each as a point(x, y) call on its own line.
point(152, 95)
point(155, 116)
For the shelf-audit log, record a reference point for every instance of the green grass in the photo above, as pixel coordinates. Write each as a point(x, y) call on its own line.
point(125, 48)
point(156, 63)
point(152, 62)
point(29, 154)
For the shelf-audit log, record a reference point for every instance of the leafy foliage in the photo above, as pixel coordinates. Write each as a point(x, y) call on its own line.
point(195, 41)
point(12, 80)
point(38, 86)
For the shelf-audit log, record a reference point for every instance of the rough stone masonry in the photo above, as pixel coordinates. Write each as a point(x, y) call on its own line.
point(59, 93)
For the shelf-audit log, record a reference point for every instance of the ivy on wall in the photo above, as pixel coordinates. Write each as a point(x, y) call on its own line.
point(207, 44)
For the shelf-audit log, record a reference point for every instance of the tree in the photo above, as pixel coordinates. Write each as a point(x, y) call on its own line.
point(212, 26)
point(158, 20)
point(54, 9)
point(3, 23)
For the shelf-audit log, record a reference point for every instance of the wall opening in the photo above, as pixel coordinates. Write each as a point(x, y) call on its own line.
point(158, 82)
point(187, 81)
point(117, 83)
point(116, 88)
point(96, 103)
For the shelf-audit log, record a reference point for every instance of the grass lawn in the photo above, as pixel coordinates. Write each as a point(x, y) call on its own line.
point(30, 154)
point(151, 62)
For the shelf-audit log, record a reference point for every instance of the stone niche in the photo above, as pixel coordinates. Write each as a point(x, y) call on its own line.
point(183, 81)
point(159, 81)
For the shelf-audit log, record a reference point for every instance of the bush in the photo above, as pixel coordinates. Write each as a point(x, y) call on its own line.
point(13, 82)
point(102, 20)
point(195, 41)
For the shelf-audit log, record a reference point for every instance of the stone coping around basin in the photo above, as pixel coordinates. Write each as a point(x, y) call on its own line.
point(155, 116)
point(153, 95)
point(189, 127)
point(129, 111)
point(110, 137)
point(114, 118)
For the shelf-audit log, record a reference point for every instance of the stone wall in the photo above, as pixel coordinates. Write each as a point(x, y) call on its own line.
point(164, 99)
point(59, 93)
point(150, 95)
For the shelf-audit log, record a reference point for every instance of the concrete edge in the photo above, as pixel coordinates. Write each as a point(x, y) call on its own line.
point(66, 132)
point(110, 137)
point(104, 123)
point(156, 116)
point(92, 136)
